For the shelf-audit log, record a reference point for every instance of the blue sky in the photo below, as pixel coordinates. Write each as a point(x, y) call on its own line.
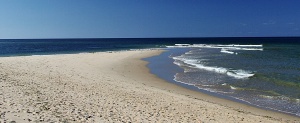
point(148, 18)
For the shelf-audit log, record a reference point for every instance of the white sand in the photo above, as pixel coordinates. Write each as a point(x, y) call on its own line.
point(108, 87)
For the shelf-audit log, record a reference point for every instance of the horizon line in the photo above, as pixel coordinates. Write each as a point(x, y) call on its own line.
point(153, 37)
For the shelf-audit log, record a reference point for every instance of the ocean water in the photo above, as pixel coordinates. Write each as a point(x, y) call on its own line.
point(13, 47)
point(264, 75)
point(263, 72)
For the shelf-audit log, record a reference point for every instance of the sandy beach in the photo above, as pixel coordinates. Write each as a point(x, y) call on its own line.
point(109, 87)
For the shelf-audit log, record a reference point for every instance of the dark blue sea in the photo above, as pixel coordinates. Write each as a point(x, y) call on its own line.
point(263, 72)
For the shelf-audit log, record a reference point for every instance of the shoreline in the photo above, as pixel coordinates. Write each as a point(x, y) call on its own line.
point(227, 100)
point(174, 69)
point(109, 87)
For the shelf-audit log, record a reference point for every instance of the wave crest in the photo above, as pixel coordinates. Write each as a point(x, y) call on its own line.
point(238, 74)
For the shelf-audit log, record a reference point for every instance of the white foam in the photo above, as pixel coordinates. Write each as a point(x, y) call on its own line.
point(238, 45)
point(239, 48)
point(177, 63)
point(228, 47)
point(224, 84)
point(226, 51)
point(298, 100)
point(182, 44)
point(207, 85)
point(238, 74)
point(190, 52)
point(213, 69)
point(233, 88)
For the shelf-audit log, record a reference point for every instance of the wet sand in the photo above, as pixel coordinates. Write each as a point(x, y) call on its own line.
point(108, 87)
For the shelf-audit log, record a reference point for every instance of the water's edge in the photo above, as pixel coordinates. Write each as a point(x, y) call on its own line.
point(163, 67)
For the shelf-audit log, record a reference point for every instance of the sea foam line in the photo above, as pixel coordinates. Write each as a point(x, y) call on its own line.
point(228, 47)
point(227, 51)
point(238, 74)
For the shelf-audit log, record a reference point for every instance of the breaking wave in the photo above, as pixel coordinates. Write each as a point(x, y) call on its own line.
point(238, 74)
point(224, 48)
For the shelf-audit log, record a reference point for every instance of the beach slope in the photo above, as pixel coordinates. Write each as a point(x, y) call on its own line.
point(108, 87)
